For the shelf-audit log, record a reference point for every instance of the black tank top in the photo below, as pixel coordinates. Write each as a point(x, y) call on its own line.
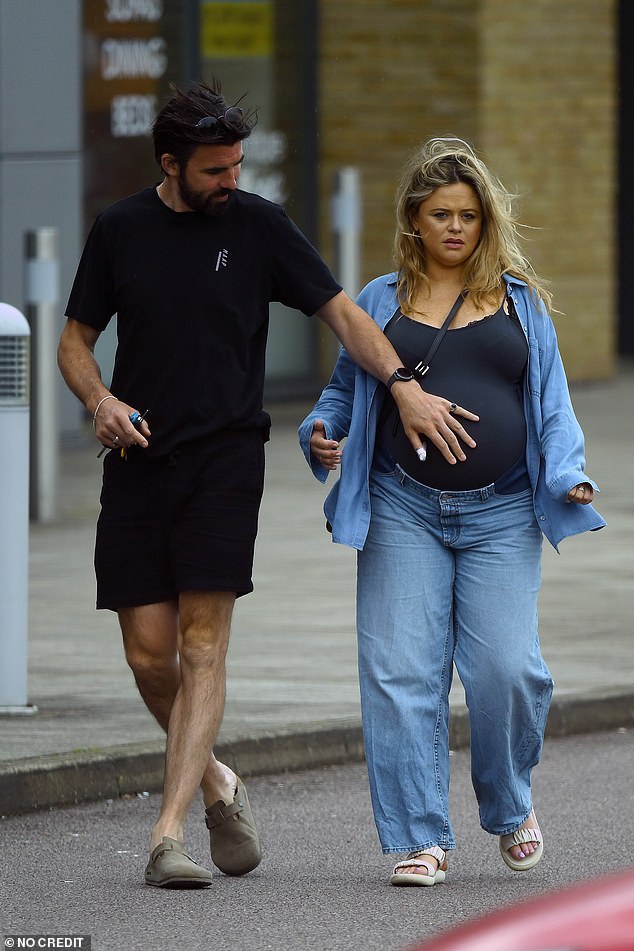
point(480, 367)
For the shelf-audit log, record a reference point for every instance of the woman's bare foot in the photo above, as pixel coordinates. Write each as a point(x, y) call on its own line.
point(521, 850)
point(434, 859)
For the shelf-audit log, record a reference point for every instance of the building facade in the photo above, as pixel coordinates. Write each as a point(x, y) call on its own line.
point(534, 87)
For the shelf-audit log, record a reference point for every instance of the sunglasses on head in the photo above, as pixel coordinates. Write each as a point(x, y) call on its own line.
point(231, 119)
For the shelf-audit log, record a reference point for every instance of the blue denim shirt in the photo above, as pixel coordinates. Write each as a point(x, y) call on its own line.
point(350, 405)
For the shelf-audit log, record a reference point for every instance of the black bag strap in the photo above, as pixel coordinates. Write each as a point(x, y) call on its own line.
point(422, 366)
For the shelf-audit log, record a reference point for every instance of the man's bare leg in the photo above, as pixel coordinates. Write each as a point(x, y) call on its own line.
point(196, 679)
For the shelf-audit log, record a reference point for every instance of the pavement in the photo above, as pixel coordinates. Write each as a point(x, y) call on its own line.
point(292, 694)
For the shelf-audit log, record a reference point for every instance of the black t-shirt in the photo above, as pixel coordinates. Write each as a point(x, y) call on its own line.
point(191, 295)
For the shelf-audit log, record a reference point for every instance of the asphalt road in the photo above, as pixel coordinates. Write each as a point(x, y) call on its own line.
point(323, 883)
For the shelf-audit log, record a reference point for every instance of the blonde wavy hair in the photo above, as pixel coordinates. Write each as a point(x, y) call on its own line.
point(447, 161)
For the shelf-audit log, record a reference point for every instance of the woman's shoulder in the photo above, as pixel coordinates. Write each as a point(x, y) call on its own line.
point(374, 289)
point(523, 293)
point(383, 280)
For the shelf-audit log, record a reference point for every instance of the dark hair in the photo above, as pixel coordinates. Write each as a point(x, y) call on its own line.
point(176, 130)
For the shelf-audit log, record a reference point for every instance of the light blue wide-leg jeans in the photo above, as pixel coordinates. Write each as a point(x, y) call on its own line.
point(444, 578)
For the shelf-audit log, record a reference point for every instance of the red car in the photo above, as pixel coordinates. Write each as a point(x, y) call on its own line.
point(597, 915)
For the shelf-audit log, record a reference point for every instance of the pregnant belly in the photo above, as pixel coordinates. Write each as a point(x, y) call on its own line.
point(500, 435)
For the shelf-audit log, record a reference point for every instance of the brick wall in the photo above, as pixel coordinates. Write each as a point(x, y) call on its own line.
point(548, 123)
point(532, 85)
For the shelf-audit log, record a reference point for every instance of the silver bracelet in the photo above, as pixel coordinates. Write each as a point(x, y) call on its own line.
point(109, 397)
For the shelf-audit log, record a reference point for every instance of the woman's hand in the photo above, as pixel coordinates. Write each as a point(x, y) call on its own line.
point(582, 494)
point(435, 418)
point(326, 451)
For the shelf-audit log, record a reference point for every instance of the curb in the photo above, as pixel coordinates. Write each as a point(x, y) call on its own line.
point(63, 779)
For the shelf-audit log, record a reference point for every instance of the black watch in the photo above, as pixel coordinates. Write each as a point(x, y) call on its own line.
point(400, 375)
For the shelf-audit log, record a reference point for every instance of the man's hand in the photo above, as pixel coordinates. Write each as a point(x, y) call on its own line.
point(434, 418)
point(80, 370)
point(326, 451)
point(114, 429)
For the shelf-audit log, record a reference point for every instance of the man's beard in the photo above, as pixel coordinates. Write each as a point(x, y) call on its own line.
point(203, 202)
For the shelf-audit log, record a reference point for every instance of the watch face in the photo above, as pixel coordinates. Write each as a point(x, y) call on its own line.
point(402, 374)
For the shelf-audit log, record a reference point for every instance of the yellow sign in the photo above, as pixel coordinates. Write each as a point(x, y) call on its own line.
point(232, 29)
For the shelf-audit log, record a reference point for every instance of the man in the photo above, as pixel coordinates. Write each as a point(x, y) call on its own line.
point(189, 267)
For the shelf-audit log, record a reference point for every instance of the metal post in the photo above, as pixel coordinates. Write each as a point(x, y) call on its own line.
point(41, 294)
point(346, 223)
point(14, 509)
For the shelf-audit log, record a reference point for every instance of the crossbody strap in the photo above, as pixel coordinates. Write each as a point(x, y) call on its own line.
point(422, 366)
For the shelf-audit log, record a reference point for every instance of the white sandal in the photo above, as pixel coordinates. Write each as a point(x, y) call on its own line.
point(519, 837)
point(432, 876)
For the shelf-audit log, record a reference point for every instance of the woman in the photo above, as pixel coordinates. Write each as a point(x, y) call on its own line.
point(450, 543)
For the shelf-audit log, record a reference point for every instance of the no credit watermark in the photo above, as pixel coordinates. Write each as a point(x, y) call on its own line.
point(52, 941)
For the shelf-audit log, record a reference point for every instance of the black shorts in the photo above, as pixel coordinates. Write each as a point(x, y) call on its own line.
point(186, 522)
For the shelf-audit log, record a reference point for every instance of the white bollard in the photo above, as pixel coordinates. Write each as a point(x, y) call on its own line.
point(41, 296)
point(14, 509)
point(346, 226)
